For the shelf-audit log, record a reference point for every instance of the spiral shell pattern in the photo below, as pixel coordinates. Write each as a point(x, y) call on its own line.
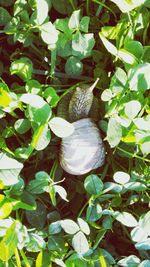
point(82, 151)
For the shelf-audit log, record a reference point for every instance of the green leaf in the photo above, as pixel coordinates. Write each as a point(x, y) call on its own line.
point(115, 188)
point(114, 132)
point(39, 111)
point(22, 126)
point(82, 44)
point(9, 243)
point(22, 67)
point(52, 194)
point(61, 127)
point(51, 96)
point(56, 243)
point(93, 184)
point(19, 6)
point(132, 108)
point(36, 243)
point(5, 98)
point(94, 212)
point(41, 138)
point(84, 227)
point(63, 7)
point(54, 228)
point(121, 177)
point(5, 207)
point(125, 218)
point(80, 243)
point(9, 169)
point(139, 77)
point(137, 186)
point(37, 218)
point(69, 226)
point(33, 87)
point(127, 5)
point(17, 189)
point(84, 24)
point(37, 186)
point(135, 48)
point(73, 66)
point(4, 16)
point(48, 33)
point(74, 20)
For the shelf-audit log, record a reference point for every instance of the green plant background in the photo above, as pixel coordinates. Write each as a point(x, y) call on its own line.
point(48, 217)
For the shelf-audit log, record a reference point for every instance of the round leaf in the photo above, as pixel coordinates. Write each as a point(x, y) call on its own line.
point(61, 127)
point(69, 226)
point(22, 126)
point(93, 184)
point(48, 33)
point(121, 177)
point(106, 95)
point(73, 66)
point(94, 212)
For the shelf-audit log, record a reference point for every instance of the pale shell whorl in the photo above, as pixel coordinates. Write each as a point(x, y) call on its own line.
point(82, 151)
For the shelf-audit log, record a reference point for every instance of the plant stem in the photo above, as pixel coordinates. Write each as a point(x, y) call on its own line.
point(18, 261)
point(102, 4)
point(133, 155)
point(98, 11)
point(72, 4)
point(27, 264)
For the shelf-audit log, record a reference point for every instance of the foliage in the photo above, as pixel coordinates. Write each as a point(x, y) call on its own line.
point(48, 217)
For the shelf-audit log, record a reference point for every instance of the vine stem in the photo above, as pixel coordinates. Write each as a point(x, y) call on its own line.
point(27, 264)
point(133, 155)
point(18, 261)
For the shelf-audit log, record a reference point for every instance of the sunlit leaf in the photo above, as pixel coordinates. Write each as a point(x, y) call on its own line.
point(9, 169)
point(128, 5)
point(69, 226)
point(83, 226)
point(22, 67)
point(132, 108)
point(80, 243)
point(121, 177)
point(48, 33)
point(114, 132)
point(108, 45)
point(61, 127)
point(74, 20)
point(125, 218)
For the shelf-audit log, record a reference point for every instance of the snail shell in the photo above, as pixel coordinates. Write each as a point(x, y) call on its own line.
point(82, 151)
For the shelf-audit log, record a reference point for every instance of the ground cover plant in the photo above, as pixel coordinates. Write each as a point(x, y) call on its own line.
point(47, 216)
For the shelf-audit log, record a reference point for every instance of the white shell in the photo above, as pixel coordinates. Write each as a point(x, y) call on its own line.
point(82, 151)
